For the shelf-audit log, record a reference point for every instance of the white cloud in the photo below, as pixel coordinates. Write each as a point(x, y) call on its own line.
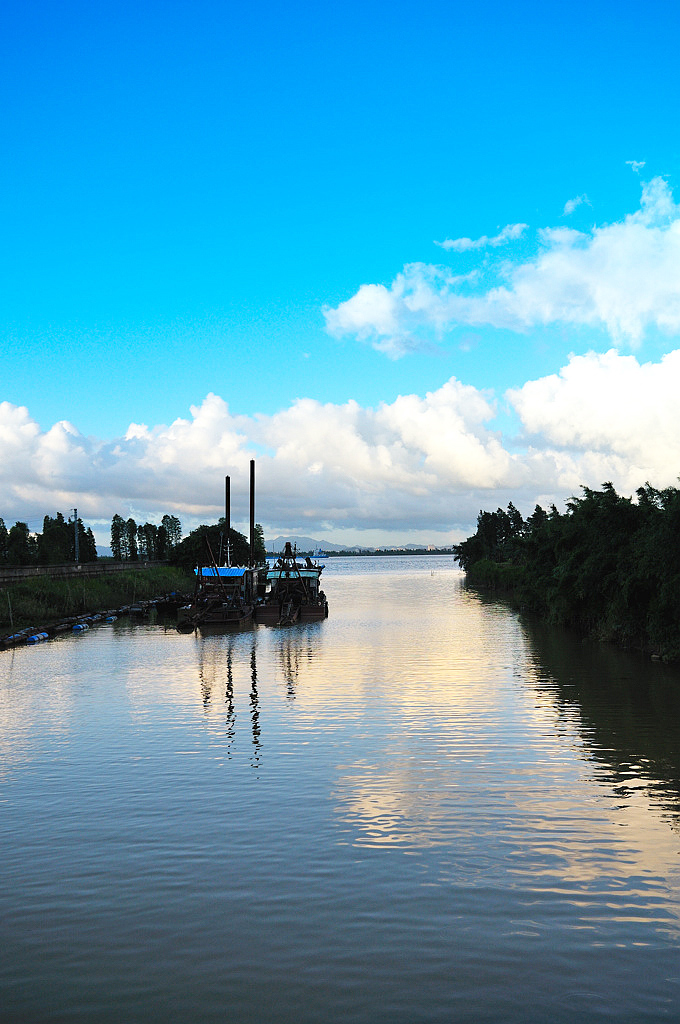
point(572, 204)
point(637, 165)
point(416, 465)
point(509, 233)
point(393, 318)
point(622, 277)
point(609, 408)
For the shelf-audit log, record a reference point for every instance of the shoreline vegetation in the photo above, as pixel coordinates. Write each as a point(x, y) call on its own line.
point(608, 567)
point(42, 601)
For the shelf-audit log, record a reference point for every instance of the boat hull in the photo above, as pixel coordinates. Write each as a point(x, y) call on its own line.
point(192, 616)
point(274, 615)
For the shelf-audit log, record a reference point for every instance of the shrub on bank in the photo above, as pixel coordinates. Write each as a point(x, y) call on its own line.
point(608, 567)
point(41, 600)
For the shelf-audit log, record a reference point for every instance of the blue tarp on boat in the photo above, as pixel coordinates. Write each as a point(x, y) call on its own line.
point(228, 571)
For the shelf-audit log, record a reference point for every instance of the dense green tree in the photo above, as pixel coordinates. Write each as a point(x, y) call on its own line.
point(147, 541)
point(496, 539)
point(3, 541)
point(162, 543)
point(118, 538)
point(260, 552)
point(142, 543)
point(131, 533)
point(22, 548)
point(608, 566)
point(56, 542)
point(86, 543)
point(195, 549)
point(173, 529)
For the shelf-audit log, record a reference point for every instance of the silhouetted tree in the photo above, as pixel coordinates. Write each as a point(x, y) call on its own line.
point(87, 545)
point(131, 532)
point(173, 529)
point(260, 552)
point(22, 548)
point(608, 566)
point(3, 541)
point(193, 550)
point(118, 538)
point(56, 542)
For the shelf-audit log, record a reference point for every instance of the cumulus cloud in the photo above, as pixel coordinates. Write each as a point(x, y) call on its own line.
point(393, 318)
point(320, 466)
point(608, 406)
point(622, 277)
point(508, 234)
point(421, 464)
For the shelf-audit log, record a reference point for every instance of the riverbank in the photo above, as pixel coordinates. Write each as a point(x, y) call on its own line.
point(514, 586)
point(40, 605)
point(608, 567)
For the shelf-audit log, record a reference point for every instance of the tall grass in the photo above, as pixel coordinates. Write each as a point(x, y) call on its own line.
point(39, 601)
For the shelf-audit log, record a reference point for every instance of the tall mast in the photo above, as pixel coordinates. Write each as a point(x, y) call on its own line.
point(227, 515)
point(252, 512)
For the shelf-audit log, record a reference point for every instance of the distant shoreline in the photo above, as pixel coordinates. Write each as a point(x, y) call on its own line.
point(350, 553)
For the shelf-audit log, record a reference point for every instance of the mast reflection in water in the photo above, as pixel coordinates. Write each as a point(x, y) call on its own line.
point(459, 816)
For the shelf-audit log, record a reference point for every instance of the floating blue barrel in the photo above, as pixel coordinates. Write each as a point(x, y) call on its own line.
point(36, 638)
point(79, 626)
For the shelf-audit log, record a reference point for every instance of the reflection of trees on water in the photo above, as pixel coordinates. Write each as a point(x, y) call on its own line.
point(628, 709)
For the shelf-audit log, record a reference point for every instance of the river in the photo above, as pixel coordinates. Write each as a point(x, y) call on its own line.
point(423, 809)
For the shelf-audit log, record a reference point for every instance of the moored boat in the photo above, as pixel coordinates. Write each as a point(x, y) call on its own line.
point(293, 591)
point(224, 594)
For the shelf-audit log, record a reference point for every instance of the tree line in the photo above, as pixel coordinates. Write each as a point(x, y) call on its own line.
point(608, 566)
point(54, 546)
point(208, 542)
point(144, 542)
point(130, 542)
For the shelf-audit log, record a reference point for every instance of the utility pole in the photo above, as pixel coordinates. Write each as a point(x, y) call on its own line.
point(75, 523)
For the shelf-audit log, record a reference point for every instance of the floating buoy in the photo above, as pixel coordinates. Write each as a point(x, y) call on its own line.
point(16, 638)
point(37, 637)
point(111, 618)
point(80, 626)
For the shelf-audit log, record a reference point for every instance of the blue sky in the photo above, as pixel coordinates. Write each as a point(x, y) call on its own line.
point(193, 195)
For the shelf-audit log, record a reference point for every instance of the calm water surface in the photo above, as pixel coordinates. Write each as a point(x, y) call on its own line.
point(422, 809)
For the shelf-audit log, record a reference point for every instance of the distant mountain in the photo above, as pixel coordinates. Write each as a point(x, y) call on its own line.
point(309, 544)
point(304, 544)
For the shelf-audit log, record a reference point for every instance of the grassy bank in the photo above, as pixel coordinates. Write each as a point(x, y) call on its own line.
point(40, 601)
